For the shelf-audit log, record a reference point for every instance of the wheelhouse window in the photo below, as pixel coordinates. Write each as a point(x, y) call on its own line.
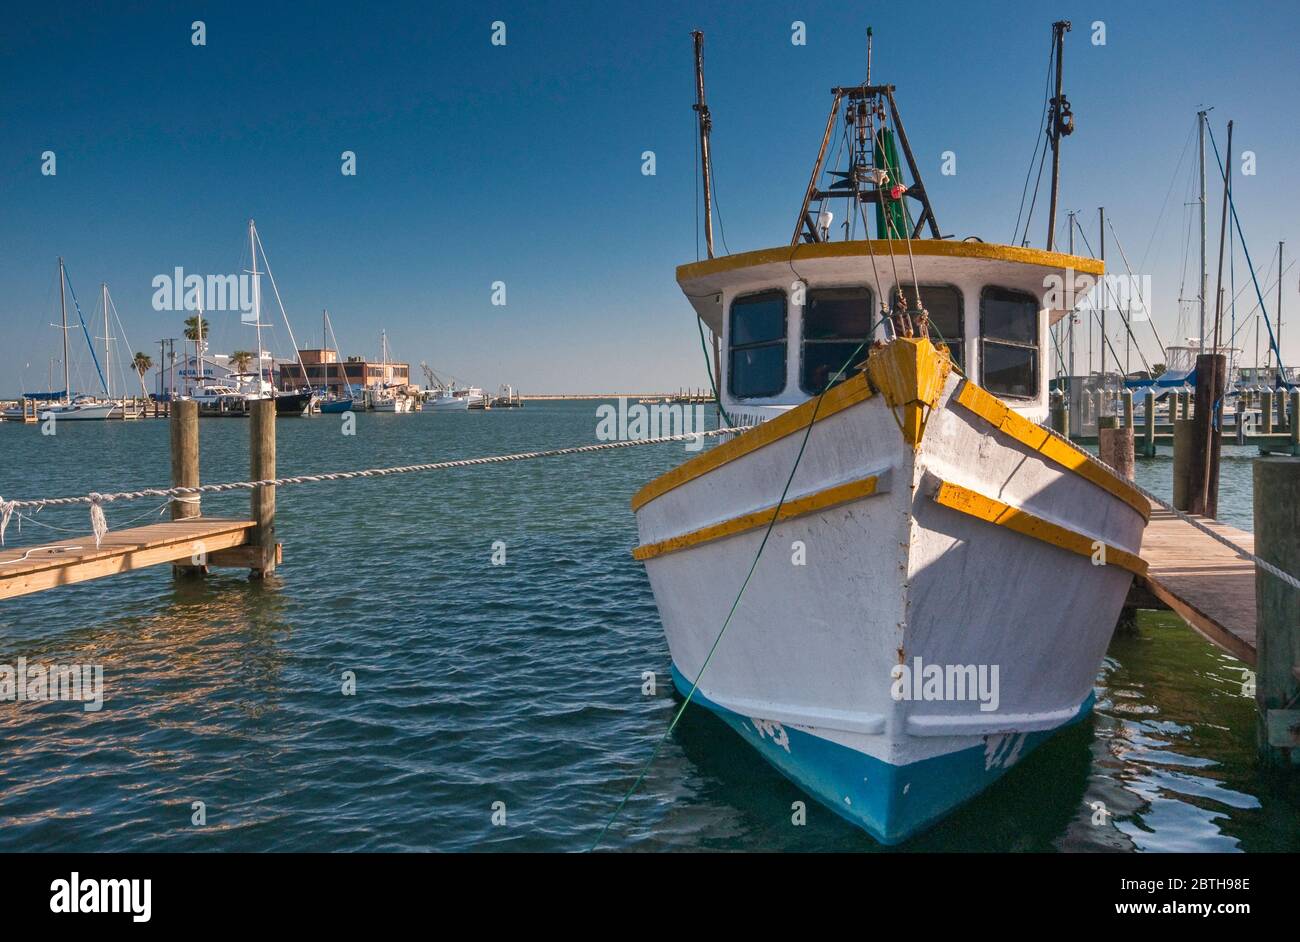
point(1009, 343)
point(757, 345)
point(947, 318)
point(836, 322)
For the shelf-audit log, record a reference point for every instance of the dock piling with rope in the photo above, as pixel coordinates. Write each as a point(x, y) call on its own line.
point(190, 542)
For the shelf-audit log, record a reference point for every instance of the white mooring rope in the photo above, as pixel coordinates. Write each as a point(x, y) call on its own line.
point(96, 500)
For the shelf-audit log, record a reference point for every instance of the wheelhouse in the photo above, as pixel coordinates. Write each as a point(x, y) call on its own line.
point(791, 319)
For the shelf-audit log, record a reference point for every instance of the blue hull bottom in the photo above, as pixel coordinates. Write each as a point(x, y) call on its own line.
point(891, 803)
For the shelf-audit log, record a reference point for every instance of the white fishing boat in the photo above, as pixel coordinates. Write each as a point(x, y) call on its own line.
point(446, 400)
point(942, 574)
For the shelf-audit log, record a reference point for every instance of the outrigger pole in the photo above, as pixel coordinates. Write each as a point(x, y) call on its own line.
point(1060, 123)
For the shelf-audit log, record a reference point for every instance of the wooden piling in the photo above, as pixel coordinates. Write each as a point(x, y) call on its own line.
point(185, 456)
point(1184, 442)
point(184, 432)
point(1295, 422)
point(1149, 424)
point(1126, 401)
point(1060, 414)
point(1277, 608)
point(261, 448)
point(1203, 473)
point(1115, 445)
point(1240, 430)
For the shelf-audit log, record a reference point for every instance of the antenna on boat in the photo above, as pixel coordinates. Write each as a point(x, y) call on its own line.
point(1060, 123)
point(706, 125)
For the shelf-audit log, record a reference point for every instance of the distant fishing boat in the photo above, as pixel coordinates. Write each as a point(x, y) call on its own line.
point(943, 575)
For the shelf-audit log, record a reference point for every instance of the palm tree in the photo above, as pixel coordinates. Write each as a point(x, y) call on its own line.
point(241, 359)
point(192, 327)
point(142, 362)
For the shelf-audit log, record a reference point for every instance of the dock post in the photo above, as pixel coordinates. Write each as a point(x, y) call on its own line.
point(1184, 435)
point(1266, 413)
point(184, 430)
point(1241, 419)
point(1060, 414)
point(261, 442)
point(1126, 400)
point(1279, 396)
point(1203, 472)
point(1115, 445)
point(1295, 422)
point(1277, 611)
point(1149, 424)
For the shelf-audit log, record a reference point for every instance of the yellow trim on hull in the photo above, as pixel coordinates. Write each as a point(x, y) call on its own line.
point(848, 393)
point(994, 411)
point(969, 502)
point(919, 247)
point(810, 503)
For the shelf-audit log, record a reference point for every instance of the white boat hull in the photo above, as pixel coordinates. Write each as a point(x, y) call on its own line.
point(874, 569)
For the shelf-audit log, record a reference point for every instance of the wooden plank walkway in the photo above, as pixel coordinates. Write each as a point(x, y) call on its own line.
point(1206, 584)
point(32, 568)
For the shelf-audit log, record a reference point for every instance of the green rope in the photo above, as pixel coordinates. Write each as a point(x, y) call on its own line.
point(776, 513)
point(708, 365)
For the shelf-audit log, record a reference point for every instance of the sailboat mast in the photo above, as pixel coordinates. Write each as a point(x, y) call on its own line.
point(1280, 366)
point(1205, 274)
point(108, 367)
point(63, 307)
point(257, 301)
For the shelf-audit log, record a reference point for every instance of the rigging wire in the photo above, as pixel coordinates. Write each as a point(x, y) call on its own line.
point(1040, 141)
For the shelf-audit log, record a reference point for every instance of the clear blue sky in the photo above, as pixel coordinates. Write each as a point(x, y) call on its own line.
point(522, 163)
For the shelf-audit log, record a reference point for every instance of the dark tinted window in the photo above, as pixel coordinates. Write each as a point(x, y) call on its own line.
point(1010, 371)
point(759, 318)
point(1009, 315)
point(947, 318)
point(836, 323)
point(756, 364)
point(1009, 346)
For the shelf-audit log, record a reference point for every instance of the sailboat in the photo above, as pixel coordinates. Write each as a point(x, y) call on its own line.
point(936, 575)
point(231, 398)
point(383, 397)
point(333, 405)
point(64, 406)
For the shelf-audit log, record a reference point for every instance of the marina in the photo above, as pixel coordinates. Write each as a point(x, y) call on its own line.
point(915, 531)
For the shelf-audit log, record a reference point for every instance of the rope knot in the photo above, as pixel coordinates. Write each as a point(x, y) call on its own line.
point(98, 523)
point(7, 508)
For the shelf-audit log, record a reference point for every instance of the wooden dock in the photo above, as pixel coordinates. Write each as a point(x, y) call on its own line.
point(1206, 584)
point(209, 541)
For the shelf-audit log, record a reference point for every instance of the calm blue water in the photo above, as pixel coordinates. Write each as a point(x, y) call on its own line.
point(518, 684)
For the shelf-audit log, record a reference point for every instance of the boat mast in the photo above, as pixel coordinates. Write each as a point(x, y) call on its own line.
point(108, 367)
point(1071, 313)
point(63, 307)
point(706, 125)
point(1061, 122)
point(1281, 369)
point(1101, 226)
point(1205, 276)
point(257, 302)
point(1223, 231)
